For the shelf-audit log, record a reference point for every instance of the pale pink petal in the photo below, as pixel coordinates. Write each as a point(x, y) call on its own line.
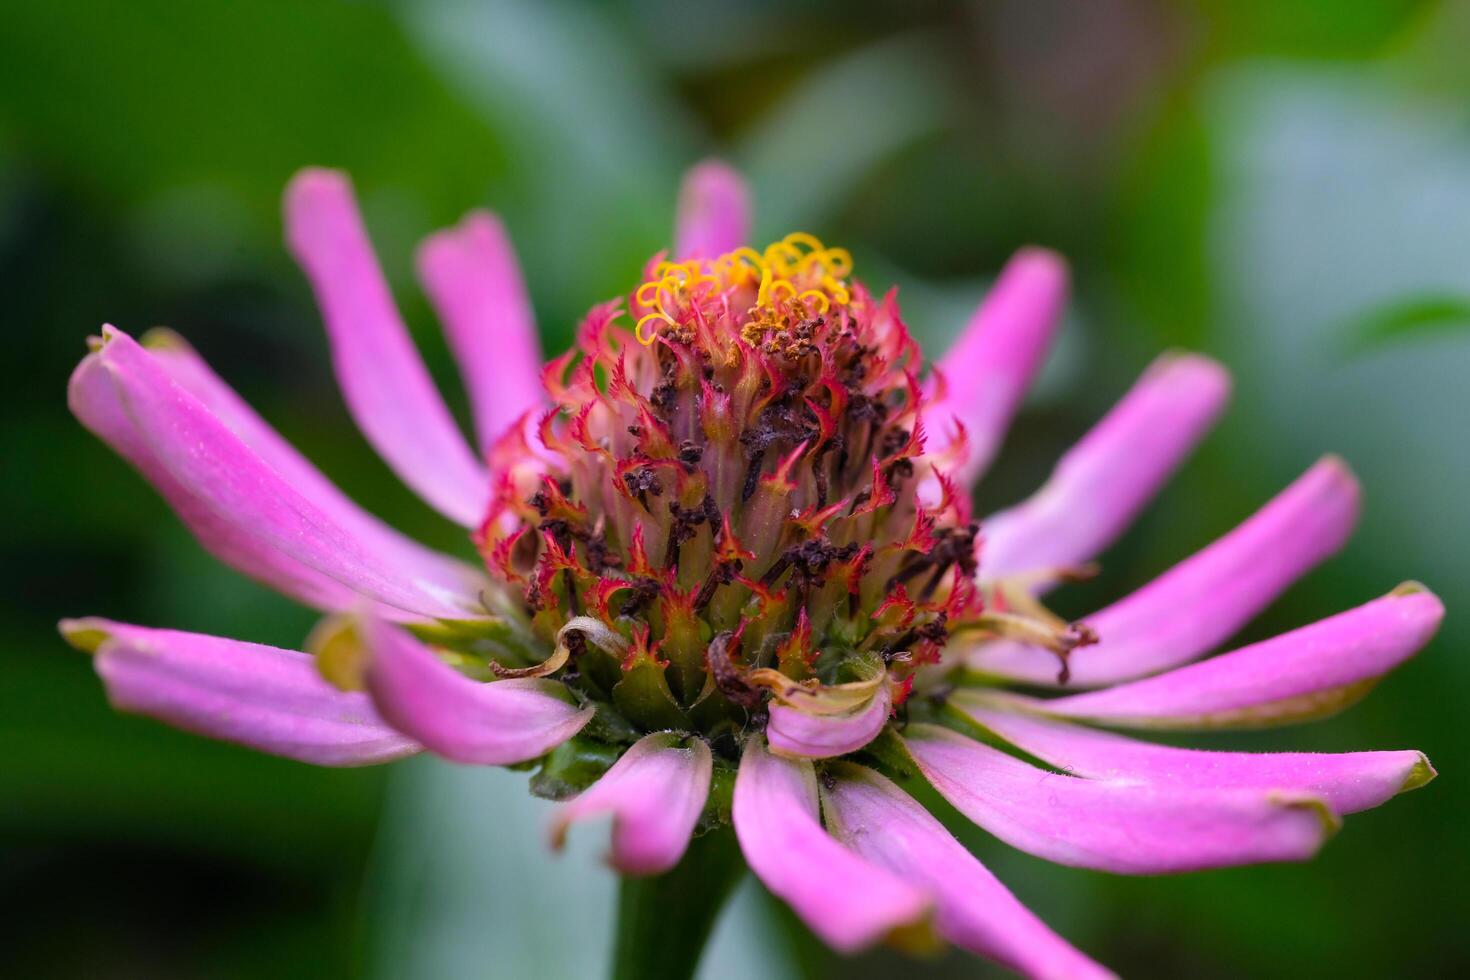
point(471, 275)
point(1203, 600)
point(1126, 828)
point(846, 901)
point(1000, 350)
point(188, 370)
point(268, 699)
point(714, 212)
point(241, 509)
point(387, 388)
point(1307, 673)
point(655, 794)
point(793, 732)
point(973, 909)
point(1102, 483)
point(496, 724)
point(1348, 781)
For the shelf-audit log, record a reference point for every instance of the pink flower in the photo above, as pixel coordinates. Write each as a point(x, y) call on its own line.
point(726, 541)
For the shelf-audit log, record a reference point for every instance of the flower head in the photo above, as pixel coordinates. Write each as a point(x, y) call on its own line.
point(729, 573)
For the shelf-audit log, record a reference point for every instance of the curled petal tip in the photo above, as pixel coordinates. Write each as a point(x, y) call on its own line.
point(1327, 819)
point(1417, 602)
point(86, 634)
point(164, 339)
point(1420, 774)
point(1412, 587)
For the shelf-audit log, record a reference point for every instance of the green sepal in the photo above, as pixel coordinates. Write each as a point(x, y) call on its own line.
point(491, 637)
point(608, 725)
point(718, 804)
point(643, 695)
point(685, 638)
point(891, 754)
point(713, 714)
point(572, 767)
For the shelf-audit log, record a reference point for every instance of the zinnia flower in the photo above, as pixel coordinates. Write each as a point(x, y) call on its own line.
point(729, 575)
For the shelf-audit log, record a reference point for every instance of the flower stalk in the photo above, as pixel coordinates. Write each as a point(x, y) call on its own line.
point(664, 921)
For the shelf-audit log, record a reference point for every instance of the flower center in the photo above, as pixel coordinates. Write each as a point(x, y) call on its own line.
point(726, 512)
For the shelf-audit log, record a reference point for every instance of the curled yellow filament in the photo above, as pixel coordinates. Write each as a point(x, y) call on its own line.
point(796, 269)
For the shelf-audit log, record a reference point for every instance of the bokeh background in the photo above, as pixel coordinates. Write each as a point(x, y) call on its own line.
point(1283, 186)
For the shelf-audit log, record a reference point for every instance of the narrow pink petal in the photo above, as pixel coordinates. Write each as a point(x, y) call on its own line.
point(262, 697)
point(1348, 781)
point(188, 370)
point(714, 212)
point(1000, 350)
point(471, 275)
point(973, 909)
point(387, 388)
point(1126, 828)
point(1203, 600)
point(241, 509)
point(496, 724)
point(655, 794)
point(846, 901)
point(1102, 483)
point(1306, 673)
point(796, 733)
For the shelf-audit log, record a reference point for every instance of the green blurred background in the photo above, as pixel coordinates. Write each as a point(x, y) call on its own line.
point(1284, 186)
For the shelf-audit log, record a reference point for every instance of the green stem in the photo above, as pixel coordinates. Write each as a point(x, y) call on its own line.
point(664, 921)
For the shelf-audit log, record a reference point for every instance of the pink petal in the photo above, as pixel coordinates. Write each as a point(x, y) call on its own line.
point(655, 794)
point(471, 275)
point(240, 507)
point(387, 388)
point(1348, 781)
point(796, 733)
point(973, 909)
point(496, 724)
point(1306, 673)
point(1126, 828)
point(846, 901)
point(1000, 350)
point(1204, 599)
point(1102, 483)
point(258, 696)
point(714, 212)
point(188, 370)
